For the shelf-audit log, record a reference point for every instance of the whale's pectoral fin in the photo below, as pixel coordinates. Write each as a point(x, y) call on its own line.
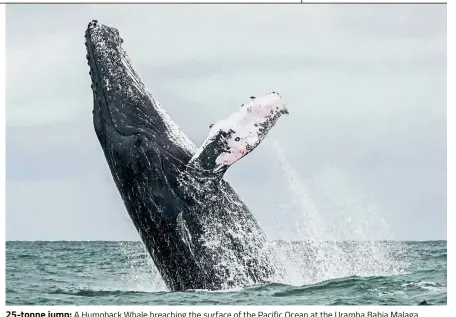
point(231, 139)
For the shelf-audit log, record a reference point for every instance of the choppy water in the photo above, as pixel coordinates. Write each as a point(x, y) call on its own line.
point(319, 273)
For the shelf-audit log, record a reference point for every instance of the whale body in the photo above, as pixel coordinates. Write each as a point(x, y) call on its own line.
point(197, 230)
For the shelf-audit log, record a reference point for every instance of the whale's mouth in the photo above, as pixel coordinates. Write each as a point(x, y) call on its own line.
point(103, 46)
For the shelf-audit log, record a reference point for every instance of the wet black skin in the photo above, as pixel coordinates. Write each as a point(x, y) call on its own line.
point(154, 181)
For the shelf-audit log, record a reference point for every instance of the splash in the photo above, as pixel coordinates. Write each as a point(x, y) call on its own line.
point(337, 228)
point(139, 272)
point(337, 234)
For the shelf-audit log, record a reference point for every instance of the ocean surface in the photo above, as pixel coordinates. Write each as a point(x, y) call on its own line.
point(318, 273)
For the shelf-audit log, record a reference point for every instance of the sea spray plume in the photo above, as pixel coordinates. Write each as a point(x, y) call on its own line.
point(198, 232)
point(341, 242)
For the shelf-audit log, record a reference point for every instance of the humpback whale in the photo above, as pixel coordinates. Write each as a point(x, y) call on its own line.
point(197, 230)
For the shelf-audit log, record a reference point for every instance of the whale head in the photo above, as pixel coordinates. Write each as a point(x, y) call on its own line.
point(233, 138)
point(127, 118)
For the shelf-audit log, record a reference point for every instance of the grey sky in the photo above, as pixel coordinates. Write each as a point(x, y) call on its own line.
point(365, 138)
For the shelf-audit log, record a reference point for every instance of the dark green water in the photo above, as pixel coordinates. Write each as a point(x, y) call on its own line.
point(318, 273)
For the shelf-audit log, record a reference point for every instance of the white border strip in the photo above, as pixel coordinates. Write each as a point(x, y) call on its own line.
point(451, 157)
point(3, 141)
point(232, 1)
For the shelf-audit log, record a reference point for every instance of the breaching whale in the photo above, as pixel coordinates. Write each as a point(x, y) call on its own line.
point(197, 230)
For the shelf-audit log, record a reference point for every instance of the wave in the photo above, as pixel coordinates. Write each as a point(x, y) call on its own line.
point(94, 292)
point(351, 290)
